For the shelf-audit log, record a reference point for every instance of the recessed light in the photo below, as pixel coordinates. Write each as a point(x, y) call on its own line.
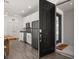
point(29, 6)
point(71, 3)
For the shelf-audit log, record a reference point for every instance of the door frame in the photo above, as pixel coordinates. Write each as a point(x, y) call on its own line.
point(60, 16)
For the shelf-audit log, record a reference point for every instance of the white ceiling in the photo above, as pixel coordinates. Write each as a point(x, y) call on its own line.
point(26, 7)
point(20, 7)
point(67, 6)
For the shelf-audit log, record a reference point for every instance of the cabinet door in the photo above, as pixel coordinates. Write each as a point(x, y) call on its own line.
point(47, 27)
point(29, 38)
point(21, 36)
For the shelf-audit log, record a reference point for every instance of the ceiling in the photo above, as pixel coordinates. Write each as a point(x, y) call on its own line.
point(67, 6)
point(20, 7)
point(26, 7)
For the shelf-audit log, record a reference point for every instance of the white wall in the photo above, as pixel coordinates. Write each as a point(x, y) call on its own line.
point(69, 27)
point(13, 27)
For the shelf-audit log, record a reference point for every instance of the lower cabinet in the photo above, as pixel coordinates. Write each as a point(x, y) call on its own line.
point(29, 38)
point(21, 35)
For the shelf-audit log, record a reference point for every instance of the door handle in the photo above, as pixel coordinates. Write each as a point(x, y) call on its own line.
point(40, 31)
point(40, 40)
point(40, 37)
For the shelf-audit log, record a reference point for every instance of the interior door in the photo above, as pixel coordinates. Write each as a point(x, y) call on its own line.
point(47, 28)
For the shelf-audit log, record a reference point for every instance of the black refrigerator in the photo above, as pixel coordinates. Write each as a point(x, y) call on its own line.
point(35, 34)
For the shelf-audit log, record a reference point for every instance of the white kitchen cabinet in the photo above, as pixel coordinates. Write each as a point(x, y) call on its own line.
point(29, 38)
point(21, 35)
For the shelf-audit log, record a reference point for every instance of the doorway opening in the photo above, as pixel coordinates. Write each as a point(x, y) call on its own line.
point(58, 28)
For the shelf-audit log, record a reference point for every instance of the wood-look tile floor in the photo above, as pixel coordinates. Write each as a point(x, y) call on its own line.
point(20, 50)
point(55, 56)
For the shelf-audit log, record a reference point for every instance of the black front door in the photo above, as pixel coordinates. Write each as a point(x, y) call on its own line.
point(47, 28)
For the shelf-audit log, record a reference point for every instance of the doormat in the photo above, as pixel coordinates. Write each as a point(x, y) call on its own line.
point(61, 46)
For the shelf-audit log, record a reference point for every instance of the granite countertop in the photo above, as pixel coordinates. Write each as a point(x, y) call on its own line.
point(26, 30)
